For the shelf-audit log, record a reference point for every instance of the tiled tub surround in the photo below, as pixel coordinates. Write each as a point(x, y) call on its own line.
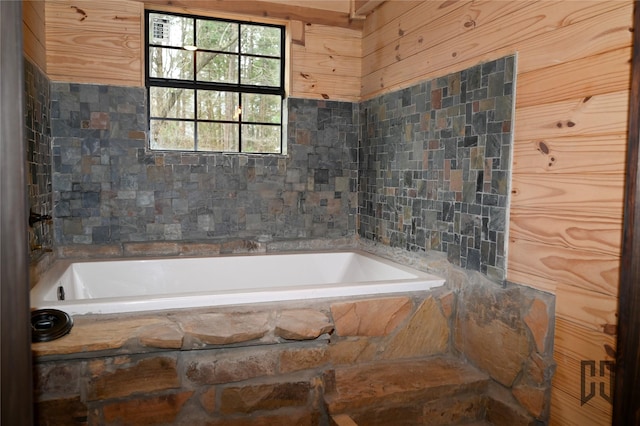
point(431, 172)
point(108, 188)
point(302, 362)
point(435, 164)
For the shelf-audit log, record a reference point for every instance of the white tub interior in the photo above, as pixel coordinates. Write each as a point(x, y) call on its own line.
point(153, 284)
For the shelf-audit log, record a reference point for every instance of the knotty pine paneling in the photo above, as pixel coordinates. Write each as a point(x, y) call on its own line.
point(567, 411)
point(604, 114)
point(103, 42)
point(582, 231)
point(430, 31)
point(33, 32)
point(601, 194)
point(327, 65)
point(572, 155)
point(95, 42)
point(464, 43)
point(536, 261)
point(598, 74)
point(574, 344)
point(578, 40)
point(586, 309)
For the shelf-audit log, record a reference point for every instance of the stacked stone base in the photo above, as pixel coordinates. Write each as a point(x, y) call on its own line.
point(438, 391)
point(467, 353)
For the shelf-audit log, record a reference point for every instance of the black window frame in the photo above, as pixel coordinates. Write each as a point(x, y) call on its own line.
point(196, 85)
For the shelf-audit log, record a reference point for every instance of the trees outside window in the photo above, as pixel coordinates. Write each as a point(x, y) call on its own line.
point(214, 85)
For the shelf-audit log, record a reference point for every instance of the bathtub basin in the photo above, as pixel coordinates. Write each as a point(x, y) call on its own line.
point(114, 286)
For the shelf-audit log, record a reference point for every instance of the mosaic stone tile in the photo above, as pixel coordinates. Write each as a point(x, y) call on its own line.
point(110, 188)
point(39, 154)
point(440, 181)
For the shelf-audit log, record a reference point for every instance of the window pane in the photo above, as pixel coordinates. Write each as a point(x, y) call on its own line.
point(217, 67)
point(256, 138)
point(170, 63)
point(260, 71)
point(214, 105)
point(217, 137)
point(170, 30)
point(258, 40)
point(170, 102)
point(171, 135)
point(217, 35)
point(261, 108)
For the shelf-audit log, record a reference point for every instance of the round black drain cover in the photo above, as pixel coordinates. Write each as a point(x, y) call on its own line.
point(49, 324)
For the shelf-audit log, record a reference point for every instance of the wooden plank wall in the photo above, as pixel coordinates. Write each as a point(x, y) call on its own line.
point(33, 36)
point(95, 42)
point(572, 94)
point(102, 42)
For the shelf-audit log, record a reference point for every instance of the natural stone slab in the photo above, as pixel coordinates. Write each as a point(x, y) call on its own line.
point(447, 301)
point(292, 416)
point(400, 382)
point(453, 411)
point(247, 399)
point(57, 378)
point(151, 249)
point(65, 411)
point(503, 409)
point(352, 351)
point(343, 420)
point(166, 336)
point(208, 368)
point(531, 398)
point(90, 333)
point(494, 347)
point(537, 319)
point(225, 328)
point(208, 400)
point(376, 317)
point(302, 359)
point(427, 333)
point(450, 410)
point(147, 375)
point(302, 324)
point(161, 409)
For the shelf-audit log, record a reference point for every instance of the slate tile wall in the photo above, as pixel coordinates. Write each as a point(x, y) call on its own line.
point(435, 164)
point(38, 145)
point(424, 168)
point(109, 188)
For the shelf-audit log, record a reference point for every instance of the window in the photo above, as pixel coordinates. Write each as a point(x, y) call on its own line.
point(214, 85)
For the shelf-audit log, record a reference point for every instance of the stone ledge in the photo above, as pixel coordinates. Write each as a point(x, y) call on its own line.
point(359, 387)
point(94, 335)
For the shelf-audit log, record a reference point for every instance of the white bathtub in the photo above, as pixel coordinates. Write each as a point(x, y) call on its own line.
point(115, 286)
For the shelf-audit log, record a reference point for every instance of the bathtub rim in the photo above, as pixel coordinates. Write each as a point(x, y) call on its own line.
point(135, 304)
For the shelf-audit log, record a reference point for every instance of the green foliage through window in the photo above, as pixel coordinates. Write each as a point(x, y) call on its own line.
point(214, 85)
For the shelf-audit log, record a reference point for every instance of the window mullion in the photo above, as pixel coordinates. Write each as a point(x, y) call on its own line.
point(170, 76)
point(239, 85)
point(195, 90)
